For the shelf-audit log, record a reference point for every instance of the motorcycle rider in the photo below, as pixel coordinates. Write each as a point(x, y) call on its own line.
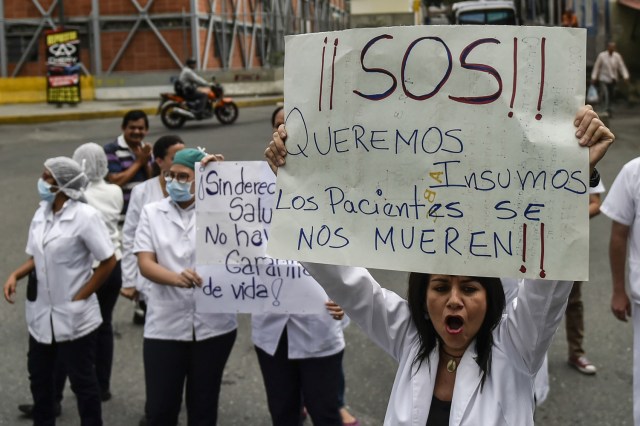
point(191, 84)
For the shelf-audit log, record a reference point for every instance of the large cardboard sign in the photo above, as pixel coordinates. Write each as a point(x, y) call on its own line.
point(437, 149)
point(234, 203)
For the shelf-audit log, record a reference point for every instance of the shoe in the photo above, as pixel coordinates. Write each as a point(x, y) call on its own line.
point(105, 396)
point(583, 365)
point(27, 410)
point(347, 418)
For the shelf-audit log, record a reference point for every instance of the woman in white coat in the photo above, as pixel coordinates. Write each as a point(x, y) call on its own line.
point(63, 314)
point(107, 198)
point(300, 359)
point(180, 344)
point(149, 191)
point(461, 362)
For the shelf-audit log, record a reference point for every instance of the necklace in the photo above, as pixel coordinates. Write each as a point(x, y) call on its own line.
point(452, 364)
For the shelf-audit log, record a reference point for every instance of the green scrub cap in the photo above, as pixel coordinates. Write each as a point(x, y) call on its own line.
point(188, 157)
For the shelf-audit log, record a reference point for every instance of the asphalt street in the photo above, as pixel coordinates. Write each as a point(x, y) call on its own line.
point(574, 399)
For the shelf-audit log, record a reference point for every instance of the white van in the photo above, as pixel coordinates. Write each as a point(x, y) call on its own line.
point(490, 12)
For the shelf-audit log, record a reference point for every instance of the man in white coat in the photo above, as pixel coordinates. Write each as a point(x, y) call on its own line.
point(622, 205)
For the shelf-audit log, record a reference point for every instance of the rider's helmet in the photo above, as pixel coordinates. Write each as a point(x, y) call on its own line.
point(191, 62)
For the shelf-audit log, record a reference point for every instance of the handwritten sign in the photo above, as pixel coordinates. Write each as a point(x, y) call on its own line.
point(234, 203)
point(437, 149)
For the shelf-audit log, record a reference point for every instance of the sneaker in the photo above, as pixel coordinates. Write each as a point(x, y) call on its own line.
point(583, 365)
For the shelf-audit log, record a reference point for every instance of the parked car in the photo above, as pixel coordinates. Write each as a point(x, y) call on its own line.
point(490, 12)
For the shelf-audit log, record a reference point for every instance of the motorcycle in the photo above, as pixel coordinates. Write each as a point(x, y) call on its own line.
point(175, 109)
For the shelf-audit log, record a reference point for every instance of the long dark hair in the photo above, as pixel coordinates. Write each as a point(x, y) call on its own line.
point(274, 114)
point(427, 335)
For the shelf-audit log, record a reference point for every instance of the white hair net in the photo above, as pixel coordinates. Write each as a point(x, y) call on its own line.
point(68, 175)
point(95, 161)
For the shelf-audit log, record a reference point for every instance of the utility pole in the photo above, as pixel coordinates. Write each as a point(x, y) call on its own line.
point(61, 13)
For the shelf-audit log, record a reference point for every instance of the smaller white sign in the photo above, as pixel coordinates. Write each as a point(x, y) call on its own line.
point(233, 212)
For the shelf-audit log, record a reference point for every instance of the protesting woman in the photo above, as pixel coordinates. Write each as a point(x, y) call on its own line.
point(151, 190)
point(462, 361)
point(180, 344)
point(63, 314)
point(108, 200)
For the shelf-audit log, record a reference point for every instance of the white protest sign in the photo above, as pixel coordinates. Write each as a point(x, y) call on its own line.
point(439, 149)
point(233, 212)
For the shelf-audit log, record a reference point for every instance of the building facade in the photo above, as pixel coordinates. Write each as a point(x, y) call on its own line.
point(153, 35)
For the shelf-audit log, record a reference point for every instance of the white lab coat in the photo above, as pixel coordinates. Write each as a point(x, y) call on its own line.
point(171, 311)
point(520, 343)
point(147, 192)
point(309, 336)
point(107, 199)
point(541, 383)
point(623, 206)
point(63, 247)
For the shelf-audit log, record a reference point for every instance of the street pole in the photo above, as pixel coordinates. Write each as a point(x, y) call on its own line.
point(97, 47)
point(3, 44)
point(61, 14)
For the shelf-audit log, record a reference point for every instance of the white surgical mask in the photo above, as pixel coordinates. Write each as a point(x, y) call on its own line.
point(180, 192)
point(44, 190)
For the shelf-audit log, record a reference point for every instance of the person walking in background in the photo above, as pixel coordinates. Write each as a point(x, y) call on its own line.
point(65, 237)
point(622, 206)
point(574, 314)
point(609, 67)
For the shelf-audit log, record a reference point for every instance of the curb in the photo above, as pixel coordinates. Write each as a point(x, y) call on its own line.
point(115, 113)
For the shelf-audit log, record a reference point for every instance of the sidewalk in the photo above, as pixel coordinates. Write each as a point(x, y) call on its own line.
point(44, 113)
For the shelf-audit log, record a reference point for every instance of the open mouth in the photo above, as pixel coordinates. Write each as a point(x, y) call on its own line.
point(454, 324)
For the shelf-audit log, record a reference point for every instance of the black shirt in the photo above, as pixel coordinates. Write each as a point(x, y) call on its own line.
point(439, 412)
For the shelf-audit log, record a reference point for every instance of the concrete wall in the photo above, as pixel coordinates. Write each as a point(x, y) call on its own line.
point(34, 89)
point(147, 85)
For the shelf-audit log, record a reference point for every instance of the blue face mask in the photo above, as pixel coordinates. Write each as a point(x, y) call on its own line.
point(44, 190)
point(180, 192)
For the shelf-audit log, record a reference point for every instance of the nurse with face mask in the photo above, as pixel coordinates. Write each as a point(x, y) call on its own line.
point(183, 349)
point(65, 237)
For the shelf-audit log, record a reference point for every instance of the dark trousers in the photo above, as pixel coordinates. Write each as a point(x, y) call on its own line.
point(168, 363)
point(574, 321)
point(77, 357)
point(341, 387)
point(200, 100)
point(107, 294)
point(289, 382)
